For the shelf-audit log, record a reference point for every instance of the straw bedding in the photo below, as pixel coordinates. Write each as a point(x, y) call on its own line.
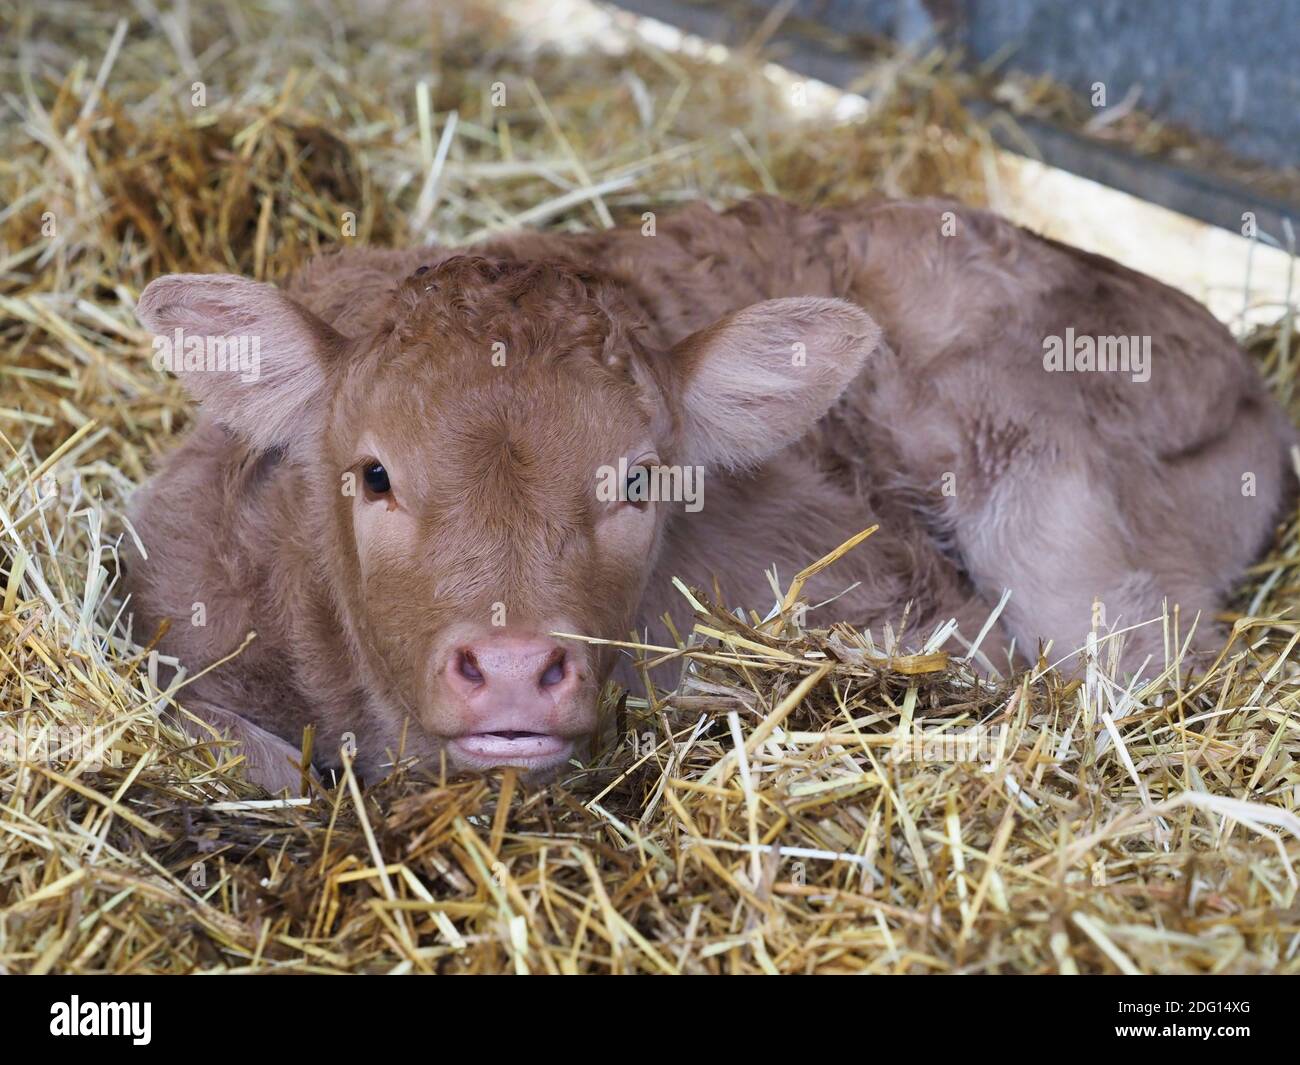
point(758, 819)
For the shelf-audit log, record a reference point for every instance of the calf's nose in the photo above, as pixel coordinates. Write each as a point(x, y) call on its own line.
point(505, 670)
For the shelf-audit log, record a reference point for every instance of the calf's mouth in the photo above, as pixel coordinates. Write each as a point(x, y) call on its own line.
point(522, 749)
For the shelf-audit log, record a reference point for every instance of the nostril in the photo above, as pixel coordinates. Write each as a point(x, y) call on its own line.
point(554, 673)
point(467, 667)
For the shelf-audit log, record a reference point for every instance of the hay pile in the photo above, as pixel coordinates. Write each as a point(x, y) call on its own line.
point(758, 819)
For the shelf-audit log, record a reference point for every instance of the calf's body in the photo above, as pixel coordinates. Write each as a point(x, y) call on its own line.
point(825, 369)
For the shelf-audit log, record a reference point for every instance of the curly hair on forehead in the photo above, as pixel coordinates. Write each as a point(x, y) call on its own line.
point(538, 308)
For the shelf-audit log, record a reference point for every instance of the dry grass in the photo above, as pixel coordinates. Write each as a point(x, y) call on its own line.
point(759, 818)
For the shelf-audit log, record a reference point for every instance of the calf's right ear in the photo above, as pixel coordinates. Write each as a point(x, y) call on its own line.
point(254, 358)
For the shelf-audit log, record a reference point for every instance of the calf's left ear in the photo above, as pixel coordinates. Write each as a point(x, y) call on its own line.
point(759, 379)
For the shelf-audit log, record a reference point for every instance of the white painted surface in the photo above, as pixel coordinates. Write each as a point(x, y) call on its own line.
point(1204, 261)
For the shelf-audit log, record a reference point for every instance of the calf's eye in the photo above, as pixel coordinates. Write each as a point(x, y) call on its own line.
point(637, 487)
point(376, 478)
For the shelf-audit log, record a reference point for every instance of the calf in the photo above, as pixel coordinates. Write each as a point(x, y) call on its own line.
point(438, 459)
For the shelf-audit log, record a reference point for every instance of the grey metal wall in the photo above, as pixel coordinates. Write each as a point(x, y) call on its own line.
point(1226, 68)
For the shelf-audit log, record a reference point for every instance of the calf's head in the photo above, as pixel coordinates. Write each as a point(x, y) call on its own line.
point(455, 461)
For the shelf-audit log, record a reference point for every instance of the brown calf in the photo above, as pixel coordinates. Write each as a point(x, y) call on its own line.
point(438, 457)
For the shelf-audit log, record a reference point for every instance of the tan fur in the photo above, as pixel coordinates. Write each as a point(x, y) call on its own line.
point(1067, 487)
